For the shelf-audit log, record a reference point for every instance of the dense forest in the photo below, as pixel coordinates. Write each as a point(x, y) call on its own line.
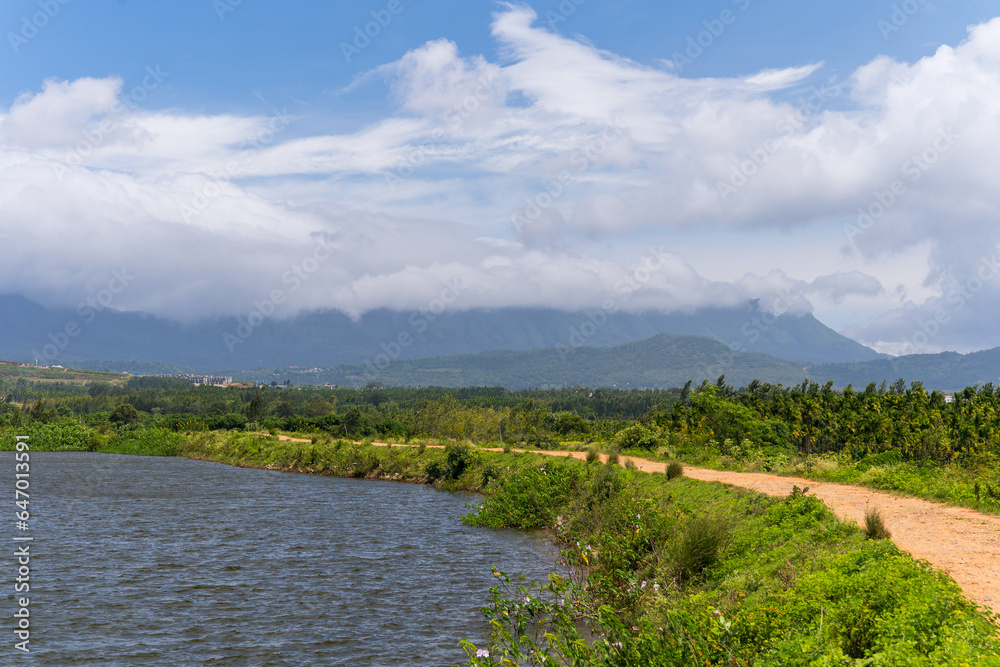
point(772, 420)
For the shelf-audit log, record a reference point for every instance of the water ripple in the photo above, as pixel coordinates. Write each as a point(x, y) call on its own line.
point(150, 561)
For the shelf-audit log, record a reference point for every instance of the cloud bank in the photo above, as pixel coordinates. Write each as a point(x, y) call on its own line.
point(511, 177)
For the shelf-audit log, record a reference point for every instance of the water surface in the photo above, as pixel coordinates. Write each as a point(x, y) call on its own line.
point(161, 561)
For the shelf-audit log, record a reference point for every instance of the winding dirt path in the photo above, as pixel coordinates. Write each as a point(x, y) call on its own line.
point(962, 542)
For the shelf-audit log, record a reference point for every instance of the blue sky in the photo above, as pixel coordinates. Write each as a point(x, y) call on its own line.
point(535, 151)
point(291, 50)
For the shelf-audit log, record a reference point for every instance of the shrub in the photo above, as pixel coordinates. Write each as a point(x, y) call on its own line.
point(529, 498)
point(875, 527)
point(700, 545)
point(144, 442)
point(458, 457)
point(675, 469)
point(640, 436)
point(124, 414)
point(612, 458)
point(592, 455)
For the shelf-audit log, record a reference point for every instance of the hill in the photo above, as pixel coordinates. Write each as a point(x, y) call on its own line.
point(68, 375)
point(331, 338)
point(948, 371)
point(661, 361)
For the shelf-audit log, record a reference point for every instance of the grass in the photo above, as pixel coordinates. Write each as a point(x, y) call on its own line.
point(874, 526)
point(675, 469)
point(777, 582)
point(704, 540)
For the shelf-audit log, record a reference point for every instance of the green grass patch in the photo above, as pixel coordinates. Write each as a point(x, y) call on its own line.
point(684, 572)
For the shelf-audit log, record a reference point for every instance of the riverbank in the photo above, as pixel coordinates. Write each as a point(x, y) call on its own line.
point(678, 571)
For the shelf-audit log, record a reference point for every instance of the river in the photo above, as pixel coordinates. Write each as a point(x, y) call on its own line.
point(168, 561)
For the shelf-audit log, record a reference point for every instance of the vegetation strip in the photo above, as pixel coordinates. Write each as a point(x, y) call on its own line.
point(732, 577)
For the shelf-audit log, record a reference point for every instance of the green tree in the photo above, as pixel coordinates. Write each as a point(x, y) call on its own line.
point(255, 410)
point(124, 414)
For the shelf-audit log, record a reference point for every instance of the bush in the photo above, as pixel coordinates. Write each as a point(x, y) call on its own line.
point(612, 458)
point(875, 527)
point(458, 457)
point(144, 442)
point(528, 497)
point(674, 470)
point(705, 538)
point(124, 414)
point(592, 455)
point(641, 436)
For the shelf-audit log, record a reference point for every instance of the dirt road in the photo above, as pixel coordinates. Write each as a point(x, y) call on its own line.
point(962, 542)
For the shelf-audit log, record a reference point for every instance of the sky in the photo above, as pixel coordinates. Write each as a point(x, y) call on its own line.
point(205, 158)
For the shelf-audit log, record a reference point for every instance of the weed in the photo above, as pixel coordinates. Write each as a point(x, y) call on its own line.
point(592, 455)
point(700, 546)
point(674, 470)
point(875, 527)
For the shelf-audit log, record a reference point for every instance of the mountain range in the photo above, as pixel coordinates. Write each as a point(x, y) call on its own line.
point(86, 336)
point(659, 362)
point(511, 348)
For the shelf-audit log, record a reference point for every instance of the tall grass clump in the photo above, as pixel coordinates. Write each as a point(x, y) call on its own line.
point(699, 548)
point(875, 527)
point(675, 470)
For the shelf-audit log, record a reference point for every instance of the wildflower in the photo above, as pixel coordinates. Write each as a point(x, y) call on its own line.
point(482, 653)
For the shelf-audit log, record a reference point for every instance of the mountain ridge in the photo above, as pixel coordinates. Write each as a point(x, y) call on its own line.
point(331, 338)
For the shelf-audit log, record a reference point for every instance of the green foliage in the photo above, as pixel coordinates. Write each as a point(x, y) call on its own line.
point(778, 582)
point(459, 457)
point(675, 469)
point(124, 414)
point(875, 527)
point(54, 437)
point(641, 436)
point(704, 539)
point(144, 442)
point(528, 497)
point(256, 409)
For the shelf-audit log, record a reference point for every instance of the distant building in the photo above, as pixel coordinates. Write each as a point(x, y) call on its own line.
point(21, 364)
point(198, 380)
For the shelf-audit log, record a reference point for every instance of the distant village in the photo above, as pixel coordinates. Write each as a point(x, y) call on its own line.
point(198, 380)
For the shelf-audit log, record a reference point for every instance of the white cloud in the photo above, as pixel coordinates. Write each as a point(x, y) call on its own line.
point(58, 114)
point(578, 146)
point(838, 286)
